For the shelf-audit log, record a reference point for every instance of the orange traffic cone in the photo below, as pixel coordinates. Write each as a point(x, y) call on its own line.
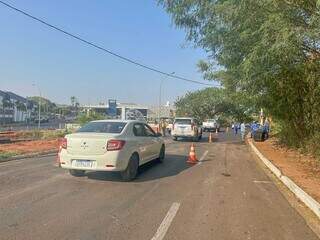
point(192, 156)
point(210, 138)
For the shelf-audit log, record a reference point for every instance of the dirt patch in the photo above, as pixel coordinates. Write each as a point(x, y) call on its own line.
point(302, 169)
point(29, 146)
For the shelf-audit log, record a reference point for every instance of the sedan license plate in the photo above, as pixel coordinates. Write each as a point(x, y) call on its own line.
point(83, 163)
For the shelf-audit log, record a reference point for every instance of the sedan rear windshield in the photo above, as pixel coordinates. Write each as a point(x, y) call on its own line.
point(183, 121)
point(103, 127)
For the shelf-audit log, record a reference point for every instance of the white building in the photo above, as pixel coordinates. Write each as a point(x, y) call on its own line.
point(13, 108)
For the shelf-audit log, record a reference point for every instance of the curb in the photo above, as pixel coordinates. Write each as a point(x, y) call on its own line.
point(19, 157)
point(294, 188)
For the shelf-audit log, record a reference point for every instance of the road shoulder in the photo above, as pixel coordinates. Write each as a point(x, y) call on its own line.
point(297, 198)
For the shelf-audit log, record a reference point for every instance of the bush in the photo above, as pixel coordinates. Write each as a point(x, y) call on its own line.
point(84, 118)
point(288, 137)
point(5, 155)
point(42, 134)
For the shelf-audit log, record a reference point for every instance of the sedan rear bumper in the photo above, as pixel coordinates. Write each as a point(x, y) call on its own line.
point(185, 135)
point(110, 161)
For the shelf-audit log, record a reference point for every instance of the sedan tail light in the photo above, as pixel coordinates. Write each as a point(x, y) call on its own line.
point(63, 143)
point(114, 145)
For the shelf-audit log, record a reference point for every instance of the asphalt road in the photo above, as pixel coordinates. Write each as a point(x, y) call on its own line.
point(227, 196)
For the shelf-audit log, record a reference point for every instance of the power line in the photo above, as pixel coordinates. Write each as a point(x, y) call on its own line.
point(100, 47)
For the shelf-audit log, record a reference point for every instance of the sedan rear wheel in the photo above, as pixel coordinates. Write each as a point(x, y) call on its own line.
point(132, 169)
point(77, 173)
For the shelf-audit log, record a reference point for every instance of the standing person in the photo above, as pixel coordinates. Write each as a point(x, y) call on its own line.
point(266, 128)
point(254, 128)
point(163, 126)
point(242, 130)
point(235, 129)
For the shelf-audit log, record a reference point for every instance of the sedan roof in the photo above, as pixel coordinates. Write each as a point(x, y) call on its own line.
point(118, 120)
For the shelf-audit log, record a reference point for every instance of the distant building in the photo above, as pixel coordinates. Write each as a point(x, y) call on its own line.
point(124, 110)
point(165, 111)
point(13, 108)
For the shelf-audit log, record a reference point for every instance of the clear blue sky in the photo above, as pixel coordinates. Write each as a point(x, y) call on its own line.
point(62, 67)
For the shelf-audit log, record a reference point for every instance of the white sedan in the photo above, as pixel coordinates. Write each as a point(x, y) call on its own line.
point(110, 145)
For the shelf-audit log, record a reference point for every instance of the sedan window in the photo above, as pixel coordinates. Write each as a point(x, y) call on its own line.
point(182, 121)
point(138, 130)
point(103, 127)
point(148, 131)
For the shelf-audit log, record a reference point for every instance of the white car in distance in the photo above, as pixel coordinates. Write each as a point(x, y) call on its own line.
point(111, 145)
point(184, 127)
point(211, 125)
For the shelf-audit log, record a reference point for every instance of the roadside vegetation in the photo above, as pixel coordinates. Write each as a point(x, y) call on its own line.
point(6, 155)
point(268, 52)
point(28, 142)
point(210, 103)
point(84, 118)
point(41, 134)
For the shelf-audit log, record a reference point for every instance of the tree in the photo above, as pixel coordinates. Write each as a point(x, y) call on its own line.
point(267, 50)
point(213, 103)
point(46, 105)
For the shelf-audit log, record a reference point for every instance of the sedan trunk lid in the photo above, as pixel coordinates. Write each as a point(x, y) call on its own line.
point(88, 143)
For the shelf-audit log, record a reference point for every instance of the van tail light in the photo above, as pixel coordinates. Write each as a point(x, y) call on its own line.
point(63, 143)
point(114, 145)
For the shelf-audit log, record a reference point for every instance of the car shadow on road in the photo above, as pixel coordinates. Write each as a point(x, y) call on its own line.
point(203, 139)
point(171, 166)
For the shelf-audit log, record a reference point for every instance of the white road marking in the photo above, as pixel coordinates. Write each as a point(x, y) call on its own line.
point(257, 181)
point(164, 226)
point(203, 156)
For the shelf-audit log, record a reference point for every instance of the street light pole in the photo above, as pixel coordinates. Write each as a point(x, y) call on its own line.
point(159, 107)
point(39, 105)
point(160, 92)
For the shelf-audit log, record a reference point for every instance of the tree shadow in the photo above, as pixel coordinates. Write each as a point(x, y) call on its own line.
point(171, 166)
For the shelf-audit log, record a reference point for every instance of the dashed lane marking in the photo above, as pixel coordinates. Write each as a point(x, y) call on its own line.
point(164, 226)
point(203, 157)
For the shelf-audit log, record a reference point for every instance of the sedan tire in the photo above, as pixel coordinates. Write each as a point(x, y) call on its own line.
point(132, 169)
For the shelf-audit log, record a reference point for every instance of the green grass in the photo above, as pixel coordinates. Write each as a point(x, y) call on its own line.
point(5, 155)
